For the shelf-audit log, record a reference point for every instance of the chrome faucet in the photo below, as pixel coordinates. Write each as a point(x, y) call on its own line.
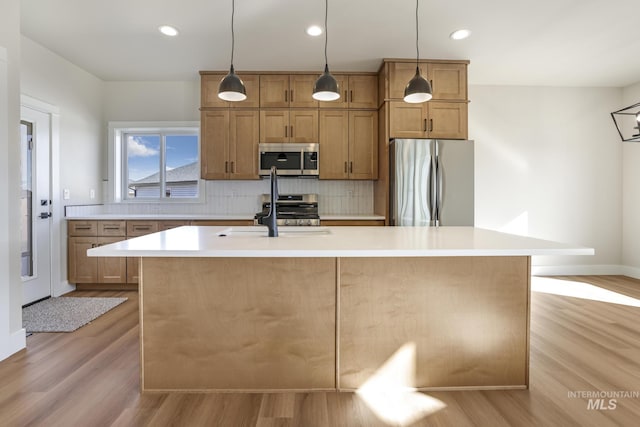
point(271, 220)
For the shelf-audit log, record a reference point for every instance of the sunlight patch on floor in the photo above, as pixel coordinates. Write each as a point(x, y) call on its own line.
point(549, 285)
point(390, 391)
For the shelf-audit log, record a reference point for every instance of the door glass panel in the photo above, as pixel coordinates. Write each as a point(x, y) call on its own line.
point(26, 199)
point(143, 166)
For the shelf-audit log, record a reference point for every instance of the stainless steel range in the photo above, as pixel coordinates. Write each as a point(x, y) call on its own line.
point(292, 209)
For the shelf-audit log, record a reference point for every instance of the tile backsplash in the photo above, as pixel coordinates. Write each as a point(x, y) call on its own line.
point(243, 197)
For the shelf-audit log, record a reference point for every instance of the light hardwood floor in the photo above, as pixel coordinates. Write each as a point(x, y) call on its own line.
point(90, 377)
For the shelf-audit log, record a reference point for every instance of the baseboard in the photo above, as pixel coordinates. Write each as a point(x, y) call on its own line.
point(13, 344)
point(581, 270)
point(63, 288)
point(631, 271)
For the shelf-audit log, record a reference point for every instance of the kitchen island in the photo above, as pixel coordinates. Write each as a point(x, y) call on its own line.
point(323, 308)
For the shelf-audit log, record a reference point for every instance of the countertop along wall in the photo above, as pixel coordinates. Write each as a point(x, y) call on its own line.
point(548, 165)
point(631, 191)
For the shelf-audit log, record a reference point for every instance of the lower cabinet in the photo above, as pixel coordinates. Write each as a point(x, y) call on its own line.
point(84, 235)
point(115, 272)
point(357, 222)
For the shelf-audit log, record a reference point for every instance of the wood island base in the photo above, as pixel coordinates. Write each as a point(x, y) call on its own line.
point(282, 324)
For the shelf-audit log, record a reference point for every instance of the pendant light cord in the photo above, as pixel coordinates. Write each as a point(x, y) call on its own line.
point(233, 10)
point(326, 33)
point(417, 50)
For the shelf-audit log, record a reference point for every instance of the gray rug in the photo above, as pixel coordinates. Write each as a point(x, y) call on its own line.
point(65, 314)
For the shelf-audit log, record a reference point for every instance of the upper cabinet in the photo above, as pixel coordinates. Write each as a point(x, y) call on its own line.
point(444, 116)
point(356, 91)
point(289, 125)
point(229, 144)
point(448, 79)
point(210, 82)
point(283, 91)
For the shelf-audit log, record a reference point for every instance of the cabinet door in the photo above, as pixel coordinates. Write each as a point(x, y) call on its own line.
point(274, 126)
point(209, 84)
point(334, 144)
point(274, 90)
point(304, 126)
point(252, 87)
point(301, 91)
point(214, 144)
point(111, 269)
point(133, 266)
point(343, 87)
point(243, 145)
point(167, 225)
point(363, 144)
point(399, 75)
point(82, 269)
point(448, 81)
point(407, 120)
point(363, 92)
point(447, 120)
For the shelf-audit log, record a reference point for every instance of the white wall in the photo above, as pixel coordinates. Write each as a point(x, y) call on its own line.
point(12, 336)
point(78, 95)
point(548, 165)
point(631, 192)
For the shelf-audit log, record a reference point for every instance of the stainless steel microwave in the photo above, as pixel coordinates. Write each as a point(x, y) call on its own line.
point(291, 159)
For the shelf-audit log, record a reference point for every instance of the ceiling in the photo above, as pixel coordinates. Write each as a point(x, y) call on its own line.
point(544, 42)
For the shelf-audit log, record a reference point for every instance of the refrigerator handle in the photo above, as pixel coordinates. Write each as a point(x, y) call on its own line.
point(432, 202)
point(440, 189)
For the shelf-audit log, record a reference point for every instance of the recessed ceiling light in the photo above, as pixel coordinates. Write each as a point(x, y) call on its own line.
point(168, 30)
point(314, 30)
point(460, 34)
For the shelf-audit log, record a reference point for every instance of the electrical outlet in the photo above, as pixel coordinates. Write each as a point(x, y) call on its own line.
point(66, 194)
point(92, 194)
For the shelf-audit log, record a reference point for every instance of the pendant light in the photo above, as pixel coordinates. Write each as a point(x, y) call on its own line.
point(418, 90)
point(326, 87)
point(231, 86)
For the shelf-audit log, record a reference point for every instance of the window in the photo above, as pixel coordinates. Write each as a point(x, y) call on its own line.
point(155, 163)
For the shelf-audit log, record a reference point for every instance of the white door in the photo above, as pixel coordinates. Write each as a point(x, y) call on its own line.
point(35, 207)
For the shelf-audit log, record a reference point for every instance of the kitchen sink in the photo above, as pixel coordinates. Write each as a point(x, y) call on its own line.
point(283, 232)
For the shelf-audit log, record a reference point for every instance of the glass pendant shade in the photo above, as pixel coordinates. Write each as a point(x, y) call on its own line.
point(326, 87)
point(232, 88)
point(418, 90)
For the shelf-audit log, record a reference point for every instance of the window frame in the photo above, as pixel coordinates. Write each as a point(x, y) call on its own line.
point(117, 181)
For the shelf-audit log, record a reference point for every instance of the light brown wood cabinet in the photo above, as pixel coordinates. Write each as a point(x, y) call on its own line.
point(210, 82)
point(351, 222)
point(284, 125)
point(448, 80)
point(356, 91)
point(283, 90)
point(229, 146)
point(348, 144)
point(432, 119)
point(84, 235)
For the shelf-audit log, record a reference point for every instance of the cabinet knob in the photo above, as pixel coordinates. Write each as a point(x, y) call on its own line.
point(430, 125)
point(291, 95)
point(350, 167)
point(286, 96)
point(286, 131)
point(226, 167)
point(350, 96)
point(233, 167)
point(345, 167)
point(424, 126)
point(291, 131)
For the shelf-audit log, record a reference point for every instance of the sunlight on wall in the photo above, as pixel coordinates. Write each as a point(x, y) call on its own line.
point(519, 225)
point(570, 288)
point(390, 391)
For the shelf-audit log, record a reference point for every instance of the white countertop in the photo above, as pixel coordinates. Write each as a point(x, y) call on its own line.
point(213, 217)
point(193, 241)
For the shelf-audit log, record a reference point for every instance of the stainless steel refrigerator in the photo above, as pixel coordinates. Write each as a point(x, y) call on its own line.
point(431, 182)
